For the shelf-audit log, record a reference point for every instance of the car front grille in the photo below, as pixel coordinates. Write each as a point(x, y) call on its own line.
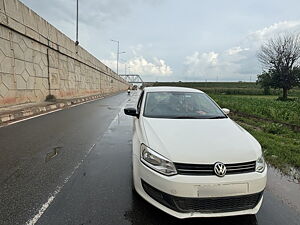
point(203, 205)
point(208, 169)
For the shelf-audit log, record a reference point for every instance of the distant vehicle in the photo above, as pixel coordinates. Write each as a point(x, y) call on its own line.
point(190, 159)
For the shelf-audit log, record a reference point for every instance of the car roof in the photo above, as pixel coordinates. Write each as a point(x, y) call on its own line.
point(170, 89)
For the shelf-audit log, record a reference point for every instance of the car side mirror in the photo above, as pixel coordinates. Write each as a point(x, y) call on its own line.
point(226, 111)
point(131, 112)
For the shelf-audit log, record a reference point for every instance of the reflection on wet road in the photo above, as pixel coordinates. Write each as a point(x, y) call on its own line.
point(99, 191)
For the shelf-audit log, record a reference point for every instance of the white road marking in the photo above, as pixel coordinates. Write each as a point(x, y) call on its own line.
point(58, 189)
point(43, 114)
point(43, 208)
point(32, 117)
point(85, 102)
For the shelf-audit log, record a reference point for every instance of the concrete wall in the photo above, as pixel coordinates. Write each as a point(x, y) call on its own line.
point(36, 59)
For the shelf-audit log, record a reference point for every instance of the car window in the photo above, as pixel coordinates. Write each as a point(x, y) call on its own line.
point(181, 105)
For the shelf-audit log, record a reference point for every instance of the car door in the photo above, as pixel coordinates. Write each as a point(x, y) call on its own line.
point(138, 137)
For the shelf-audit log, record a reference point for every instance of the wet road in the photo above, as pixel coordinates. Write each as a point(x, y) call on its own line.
point(74, 167)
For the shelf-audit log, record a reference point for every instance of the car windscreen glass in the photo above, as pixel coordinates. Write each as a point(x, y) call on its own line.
point(181, 105)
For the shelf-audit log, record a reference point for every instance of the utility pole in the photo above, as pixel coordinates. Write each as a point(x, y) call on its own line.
point(118, 54)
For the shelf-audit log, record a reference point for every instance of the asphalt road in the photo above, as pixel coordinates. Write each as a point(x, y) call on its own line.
point(74, 167)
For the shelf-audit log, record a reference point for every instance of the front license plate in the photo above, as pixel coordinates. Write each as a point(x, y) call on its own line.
point(217, 190)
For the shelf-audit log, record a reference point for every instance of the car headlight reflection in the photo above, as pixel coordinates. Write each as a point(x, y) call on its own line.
point(157, 162)
point(260, 164)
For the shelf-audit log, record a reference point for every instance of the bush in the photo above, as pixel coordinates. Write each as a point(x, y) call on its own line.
point(50, 98)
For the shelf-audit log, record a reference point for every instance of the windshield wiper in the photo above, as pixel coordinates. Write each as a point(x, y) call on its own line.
point(217, 117)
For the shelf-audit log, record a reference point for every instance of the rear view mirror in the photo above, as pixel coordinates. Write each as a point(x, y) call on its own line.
point(226, 111)
point(130, 112)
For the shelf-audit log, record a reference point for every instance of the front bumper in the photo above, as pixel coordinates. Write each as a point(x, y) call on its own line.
point(200, 196)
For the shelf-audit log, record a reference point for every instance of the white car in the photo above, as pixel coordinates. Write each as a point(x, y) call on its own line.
point(190, 159)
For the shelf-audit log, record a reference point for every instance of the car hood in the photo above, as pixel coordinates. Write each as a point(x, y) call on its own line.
point(203, 141)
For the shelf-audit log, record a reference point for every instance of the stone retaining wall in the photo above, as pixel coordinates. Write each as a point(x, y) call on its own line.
point(36, 60)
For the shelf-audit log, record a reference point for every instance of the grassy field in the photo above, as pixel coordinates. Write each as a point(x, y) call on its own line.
point(280, 144)
point(266, 107)
point(228, 88)
point(275, 124)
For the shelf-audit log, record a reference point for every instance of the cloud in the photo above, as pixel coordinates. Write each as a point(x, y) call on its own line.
point(275, 29)
point(235, 63)
point(200, 63)
point(102, 20)
point(140, 65)
point(255, 39)
point(92, 13)
point(209, 58)
point(236, 50)
point(136, 49)
point(59, 8)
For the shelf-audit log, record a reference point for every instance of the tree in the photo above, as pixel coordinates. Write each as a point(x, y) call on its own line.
point(265, 81)
point(280, 56)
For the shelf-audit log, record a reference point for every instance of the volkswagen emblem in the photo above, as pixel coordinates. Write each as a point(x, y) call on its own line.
point(220, 169)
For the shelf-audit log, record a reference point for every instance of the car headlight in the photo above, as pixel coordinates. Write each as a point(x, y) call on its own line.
point(157, 162)
point(260, 164)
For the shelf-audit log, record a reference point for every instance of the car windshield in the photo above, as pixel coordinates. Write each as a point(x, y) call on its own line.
point(181, 105)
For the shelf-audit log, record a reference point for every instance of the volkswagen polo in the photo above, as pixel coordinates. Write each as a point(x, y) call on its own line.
point(190, 159)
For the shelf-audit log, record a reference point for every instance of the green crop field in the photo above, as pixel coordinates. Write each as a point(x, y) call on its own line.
point(266, 107)
point(275, 124)
point(227, 88)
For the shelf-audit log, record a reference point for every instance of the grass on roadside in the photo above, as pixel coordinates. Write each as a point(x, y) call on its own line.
point(262, 106)
point(280, 144)
point(229, 88)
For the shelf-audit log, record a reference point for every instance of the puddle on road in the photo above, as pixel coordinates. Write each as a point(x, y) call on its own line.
point(286, 188)
point(103, 105)
point(53, 153)
point(112, 108)
point(108, 107)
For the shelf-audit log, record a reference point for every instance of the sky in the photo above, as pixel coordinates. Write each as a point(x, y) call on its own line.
point(175, 40)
